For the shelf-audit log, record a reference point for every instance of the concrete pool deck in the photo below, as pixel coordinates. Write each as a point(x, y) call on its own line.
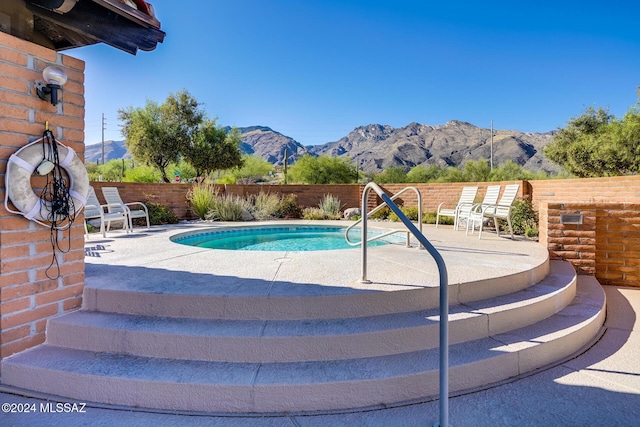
point(601, 386)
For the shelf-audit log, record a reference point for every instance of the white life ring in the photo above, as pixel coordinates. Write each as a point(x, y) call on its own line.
point(18, 188)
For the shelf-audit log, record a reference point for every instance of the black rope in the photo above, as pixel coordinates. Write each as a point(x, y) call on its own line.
point(56, 197)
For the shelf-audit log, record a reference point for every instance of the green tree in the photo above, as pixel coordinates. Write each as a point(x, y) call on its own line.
point(392, 174)
point(92, 170)
point(476, 171)
point(212, 148)
point(451, 174)
point(321, 170)
point(421, 173)
point(254, 169)
point(597, 144)
point(156, 134)
point(141, 173)
point(110, 171)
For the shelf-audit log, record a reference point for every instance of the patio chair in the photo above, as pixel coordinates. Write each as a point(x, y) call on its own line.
point(115, 204)
point(466, 201)
point(501, 210)
point(94, 210)
point(490, 198)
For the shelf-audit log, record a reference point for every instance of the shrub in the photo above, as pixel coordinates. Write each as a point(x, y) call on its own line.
point(531, 230)
point(330, 205)
point(226, 208)
point(524, 217)
point(160, 214)
point(202, 197)
point(430, 218)
point(264, 206)
point(410, 211)
point(289, 208)
point(314, 213)
point(382, 214)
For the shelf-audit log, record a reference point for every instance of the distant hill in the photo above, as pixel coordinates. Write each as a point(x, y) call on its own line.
point(270, 145)
point(112, 150)
point(376, 147)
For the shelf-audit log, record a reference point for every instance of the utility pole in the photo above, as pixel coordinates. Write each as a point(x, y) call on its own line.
point(104, 124)
point(491, 145)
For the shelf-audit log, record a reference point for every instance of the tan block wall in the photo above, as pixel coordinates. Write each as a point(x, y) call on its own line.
point(27, 297)
point(618, 189)
point(307, 195)
point(174, 196)
point(449, 193)
point(606, 244)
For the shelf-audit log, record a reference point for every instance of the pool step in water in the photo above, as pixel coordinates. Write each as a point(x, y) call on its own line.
point(269, 366)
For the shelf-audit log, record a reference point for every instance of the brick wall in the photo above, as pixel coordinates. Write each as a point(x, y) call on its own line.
point(174, 196)
point(606, 244)
point(307, 195)
point(618, 189)
point(436, 193)
point(350, 195)
point(27, 297)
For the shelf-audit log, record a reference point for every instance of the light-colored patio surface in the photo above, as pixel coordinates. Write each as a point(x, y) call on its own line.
point(601, 386)
point(389, 269)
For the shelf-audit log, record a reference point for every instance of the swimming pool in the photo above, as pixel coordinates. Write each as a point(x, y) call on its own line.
point(278, 238)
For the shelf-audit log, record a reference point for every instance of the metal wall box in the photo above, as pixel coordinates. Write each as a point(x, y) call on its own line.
point(570, 218)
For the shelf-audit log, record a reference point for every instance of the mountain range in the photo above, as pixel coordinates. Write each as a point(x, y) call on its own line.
point(376, 147)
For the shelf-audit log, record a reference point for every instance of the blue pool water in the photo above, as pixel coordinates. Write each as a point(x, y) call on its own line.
point(278, 238)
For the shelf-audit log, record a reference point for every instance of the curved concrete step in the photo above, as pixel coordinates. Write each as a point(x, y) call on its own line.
point(305, 386)
point(183, 295)
point(255, 341)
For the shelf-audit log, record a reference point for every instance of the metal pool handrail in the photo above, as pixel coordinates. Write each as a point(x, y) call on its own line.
point(444, 291)
point(388, 233)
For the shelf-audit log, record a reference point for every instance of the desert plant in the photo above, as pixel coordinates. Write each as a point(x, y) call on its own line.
point(523, 216)
point(382, 214)
point(314, 213)
point(531, 229)
point(330, 205)
point(227, 207)
point(264, 205)
point(202, 197)
point(410, 211)
point(289, 207)
point(430, 218)
point(160, 214)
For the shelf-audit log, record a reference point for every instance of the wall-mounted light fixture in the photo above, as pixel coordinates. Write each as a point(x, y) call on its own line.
point(55, 78)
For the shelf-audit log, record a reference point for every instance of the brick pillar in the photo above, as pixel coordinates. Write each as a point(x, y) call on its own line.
point(27, 297)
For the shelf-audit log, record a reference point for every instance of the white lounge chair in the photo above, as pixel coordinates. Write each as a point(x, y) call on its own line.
point(490, 198)
point(466, 202)
point(501, 210)
point(94, 210)
point(116, 205)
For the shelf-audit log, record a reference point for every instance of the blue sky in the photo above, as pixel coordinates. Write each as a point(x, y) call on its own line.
point(315, 70)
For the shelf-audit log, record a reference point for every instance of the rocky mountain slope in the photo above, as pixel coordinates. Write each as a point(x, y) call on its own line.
point(112, 150)
point(270, 145)
point(376, 147)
